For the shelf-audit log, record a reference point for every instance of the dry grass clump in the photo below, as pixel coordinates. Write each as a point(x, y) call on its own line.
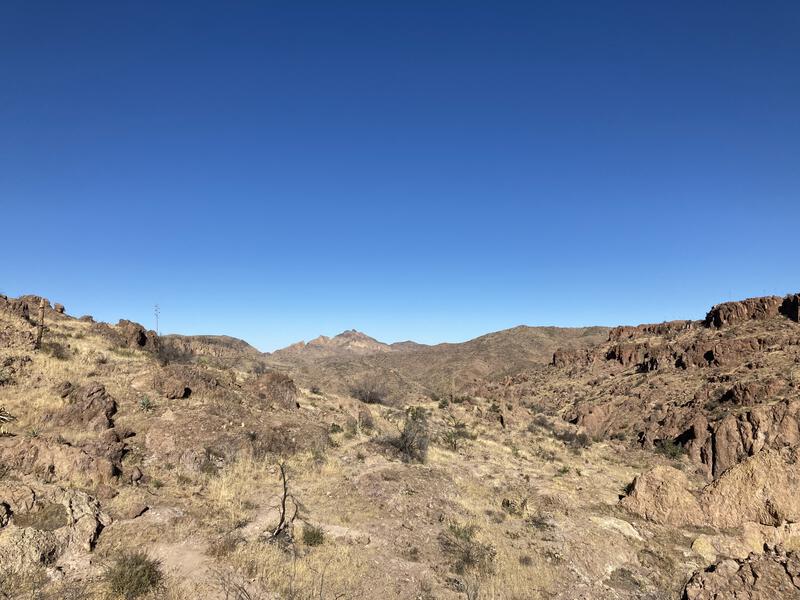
point(232, 492)
point(133, 575)
point(328, 572)
point(312, 535)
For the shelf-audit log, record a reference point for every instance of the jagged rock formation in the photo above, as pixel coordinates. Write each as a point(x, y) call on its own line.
point(721, 389)
point(770, 576)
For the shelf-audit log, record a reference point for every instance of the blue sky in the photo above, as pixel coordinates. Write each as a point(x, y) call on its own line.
point(426, 170)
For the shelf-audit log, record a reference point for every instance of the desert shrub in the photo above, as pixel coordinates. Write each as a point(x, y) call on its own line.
point(455, 434)
point(467, 552)
point(145, 404)
point(365, 419)
point(414, 438)
point(56, 349)
point(134, 574)
point(539, 422)
point(335, 428)
point(315, 390)
point(670, 449)
point(313, 536)
point(573, 439)
point(370, 390)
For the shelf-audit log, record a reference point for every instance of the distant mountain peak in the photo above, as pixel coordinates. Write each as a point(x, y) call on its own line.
point(350, 341)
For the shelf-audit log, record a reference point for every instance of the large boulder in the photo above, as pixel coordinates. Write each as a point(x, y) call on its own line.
point(762, 489)
point(135, 335)
point(663, 495)
point(770, 576)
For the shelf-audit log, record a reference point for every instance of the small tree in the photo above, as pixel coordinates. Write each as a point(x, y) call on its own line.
point(415, 436)
point(283, 532)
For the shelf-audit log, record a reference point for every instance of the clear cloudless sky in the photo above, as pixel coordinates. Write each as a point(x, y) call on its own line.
point(419, 169)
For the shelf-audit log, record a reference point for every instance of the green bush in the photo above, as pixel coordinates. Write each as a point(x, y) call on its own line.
point(134, 574)
point(313, 536)
point(670, 449)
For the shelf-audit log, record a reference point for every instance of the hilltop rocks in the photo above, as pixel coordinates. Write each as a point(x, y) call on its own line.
point(729, 313)
point(766, 307)
point(791, 307)
point(136, 336)
point(662, 495)
point(15, 307)
point(651, 329)
point(772, 575)
point(59, 308)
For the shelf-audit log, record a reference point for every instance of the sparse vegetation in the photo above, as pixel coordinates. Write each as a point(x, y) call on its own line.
point(414, 438)
point(670, 448)
point(145, 404)
point(134, 574)
point(469, 555)
point(55, 349)
point(313, 536)
point(455, 434)
point(370, 390)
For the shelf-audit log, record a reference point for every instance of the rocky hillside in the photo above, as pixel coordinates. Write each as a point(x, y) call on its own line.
point(408, 371)
point(647, 462)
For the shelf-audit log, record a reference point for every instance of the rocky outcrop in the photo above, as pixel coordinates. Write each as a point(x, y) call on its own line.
point(175, 389)
point(276, 389)
point(136, 336)
point(770, 576)
point(626, 332)
point(729, 313)
point(663, 495)
point(51, 459)
point(91, 408)
point(46, 524)
point(761, 490)
point(791, 307)
point(721, 445)
point(569, 357)
point(15, 307)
